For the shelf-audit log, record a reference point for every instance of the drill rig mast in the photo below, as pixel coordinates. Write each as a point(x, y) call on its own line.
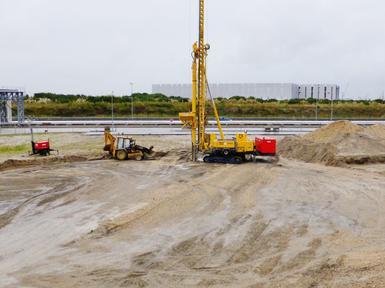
point(197, 119)
point(234, 150)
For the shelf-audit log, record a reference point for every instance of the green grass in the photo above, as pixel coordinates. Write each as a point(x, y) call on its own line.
point(21, 148)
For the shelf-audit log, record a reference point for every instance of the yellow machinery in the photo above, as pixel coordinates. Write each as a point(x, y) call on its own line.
point(220, 150)
point(124, 148)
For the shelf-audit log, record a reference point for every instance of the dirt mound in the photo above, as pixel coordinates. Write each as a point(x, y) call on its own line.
point(179, 155)
point(160, 154)
point(337, 144)
point(38, 161)
point(14, 164)
point(376, 131)
point(334, 132)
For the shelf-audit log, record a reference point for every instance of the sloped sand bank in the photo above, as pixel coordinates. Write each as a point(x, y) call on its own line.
point(337, 144)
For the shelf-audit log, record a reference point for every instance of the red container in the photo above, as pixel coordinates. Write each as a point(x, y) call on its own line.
point(44, 145)
point(266, 146)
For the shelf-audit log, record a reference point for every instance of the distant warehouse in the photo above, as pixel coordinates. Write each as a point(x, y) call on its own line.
point(319, 91)
point(262, 91)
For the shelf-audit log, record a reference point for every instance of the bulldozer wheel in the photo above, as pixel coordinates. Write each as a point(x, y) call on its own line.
point(139, 157)
point(121, 155)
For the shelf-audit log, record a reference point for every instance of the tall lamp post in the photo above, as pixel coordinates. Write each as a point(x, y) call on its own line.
point(332, 108)
point(132, 101)
point(112, 110)
point(316, 103)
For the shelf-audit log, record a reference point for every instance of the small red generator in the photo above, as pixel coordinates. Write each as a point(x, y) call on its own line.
point(42, 148)
point(266, 146)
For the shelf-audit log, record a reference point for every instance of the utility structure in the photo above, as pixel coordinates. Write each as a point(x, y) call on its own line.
point(196, 119)
point(7, 97)
point(215, 150)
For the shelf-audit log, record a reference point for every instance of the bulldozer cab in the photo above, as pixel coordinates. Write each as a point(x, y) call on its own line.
point(124, 143)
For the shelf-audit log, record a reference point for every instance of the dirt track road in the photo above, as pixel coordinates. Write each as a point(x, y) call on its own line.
point(172, 223)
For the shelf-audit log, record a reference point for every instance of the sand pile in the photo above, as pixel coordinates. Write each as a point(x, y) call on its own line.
point(36, 161)
point(376, 131)
point(337, 144)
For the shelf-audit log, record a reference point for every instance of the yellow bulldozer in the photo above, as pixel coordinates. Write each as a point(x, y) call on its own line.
point(125, 148)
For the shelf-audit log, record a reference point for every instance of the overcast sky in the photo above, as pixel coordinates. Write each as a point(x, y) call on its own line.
point(99, 46)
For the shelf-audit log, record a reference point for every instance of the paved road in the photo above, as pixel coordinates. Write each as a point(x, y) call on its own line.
point(172, 127)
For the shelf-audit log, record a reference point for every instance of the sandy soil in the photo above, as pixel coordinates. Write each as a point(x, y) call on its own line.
point(73, 147)
point(66, 144)
point(337, 144)
point(173, 223)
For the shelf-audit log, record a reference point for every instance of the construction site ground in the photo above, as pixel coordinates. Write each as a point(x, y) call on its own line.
point(78, 220)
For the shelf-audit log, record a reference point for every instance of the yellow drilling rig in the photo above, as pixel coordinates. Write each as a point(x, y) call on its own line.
point(214, 150)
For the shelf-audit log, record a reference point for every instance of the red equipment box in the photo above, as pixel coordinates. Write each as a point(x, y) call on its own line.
point(266, 146)
point(44, 145)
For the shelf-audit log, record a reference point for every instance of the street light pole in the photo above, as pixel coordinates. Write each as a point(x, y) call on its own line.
point(112, 110)
point(316, 103)
point(132, 101)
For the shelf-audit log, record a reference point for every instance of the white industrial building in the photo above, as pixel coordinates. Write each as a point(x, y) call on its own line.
point(319, 91)
point(263, 91)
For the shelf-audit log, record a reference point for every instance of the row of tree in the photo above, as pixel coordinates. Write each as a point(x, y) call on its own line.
point(145, 97)
point(228, 108)
point(138, 97)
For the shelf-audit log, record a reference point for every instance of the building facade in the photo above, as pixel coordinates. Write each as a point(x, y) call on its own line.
point(262, 91)
point(319, 91)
